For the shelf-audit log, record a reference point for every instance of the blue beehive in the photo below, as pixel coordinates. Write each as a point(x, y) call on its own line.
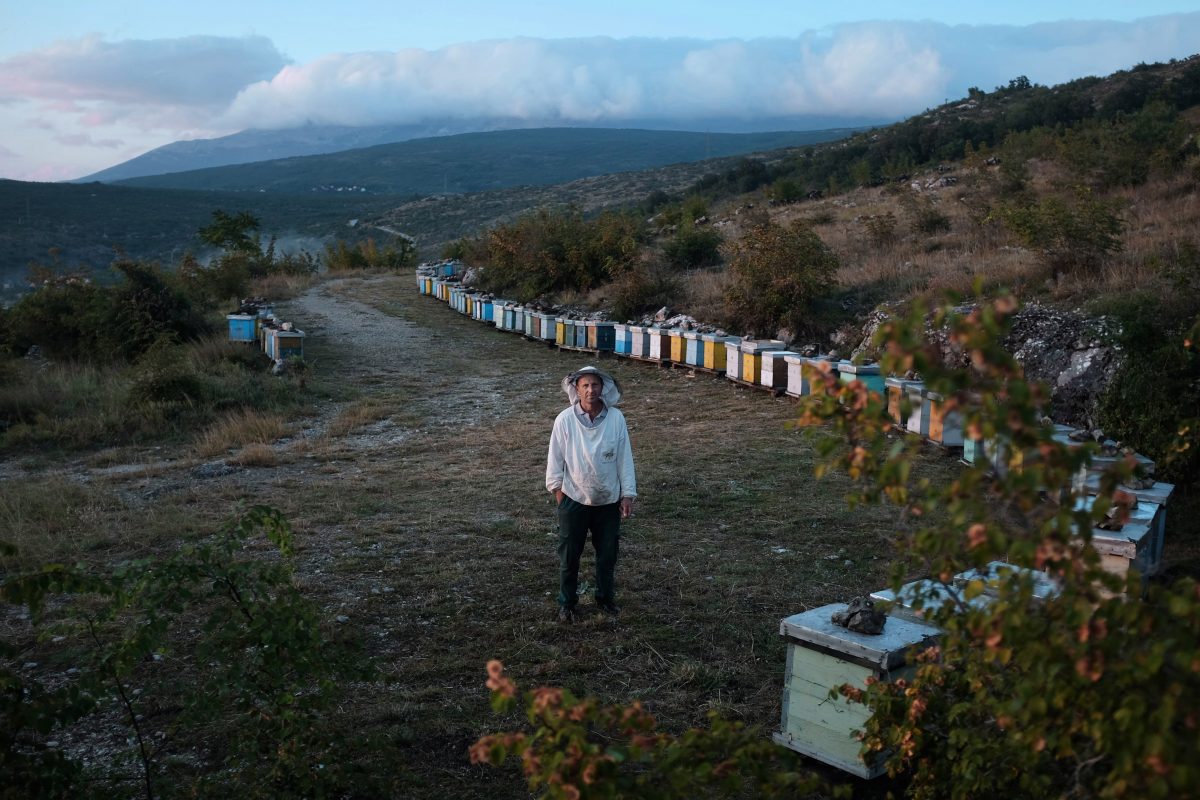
point(693, 349)
point(580, 331)
point(241, 327)
point(621, 339)
point(867, 373)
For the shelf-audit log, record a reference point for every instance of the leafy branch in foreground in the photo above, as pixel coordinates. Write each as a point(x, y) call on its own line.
point(208, 651)
point(1089, 690)
point(581, 748)
point(1093, 691)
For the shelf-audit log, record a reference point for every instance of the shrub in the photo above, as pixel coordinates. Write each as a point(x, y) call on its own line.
point(164, 375)
point(1069, 232)
point(255, 663)
point(1157, 390)
point(582, 749)
point(693, 246)
point(551, 251)
point(777, 273)
point(881, 229)
point(642, 288)
point(400, 253)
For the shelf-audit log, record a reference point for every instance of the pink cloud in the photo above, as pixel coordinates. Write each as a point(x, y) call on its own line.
point(189, 71)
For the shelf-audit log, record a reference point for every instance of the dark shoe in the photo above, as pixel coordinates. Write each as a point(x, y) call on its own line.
point(608, 607)
point(566, 615)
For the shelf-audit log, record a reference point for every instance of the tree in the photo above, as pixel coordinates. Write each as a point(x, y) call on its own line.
point(778, 271)
point(235, 233)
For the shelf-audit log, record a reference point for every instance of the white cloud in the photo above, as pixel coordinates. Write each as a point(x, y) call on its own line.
point(871, 69)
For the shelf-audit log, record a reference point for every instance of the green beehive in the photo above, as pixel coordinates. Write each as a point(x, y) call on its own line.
point(821, 656)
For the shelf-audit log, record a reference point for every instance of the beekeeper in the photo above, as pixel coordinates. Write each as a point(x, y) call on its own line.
point(589, 468)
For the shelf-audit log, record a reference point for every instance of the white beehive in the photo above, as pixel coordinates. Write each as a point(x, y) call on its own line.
point(822, 656)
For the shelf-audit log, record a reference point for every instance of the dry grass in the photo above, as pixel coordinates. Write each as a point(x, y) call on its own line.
point(281, 287)
point(56, 519)
point(704, 293)
point(255, 455)
point(359, 413)
point(237, 429)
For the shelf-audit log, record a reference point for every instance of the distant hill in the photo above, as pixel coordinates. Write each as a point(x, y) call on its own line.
point(476, 162)
point(84, 223)
point(248, 146)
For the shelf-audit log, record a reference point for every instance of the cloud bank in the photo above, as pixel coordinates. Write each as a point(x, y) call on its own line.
point(95, 101)
point(877, 69)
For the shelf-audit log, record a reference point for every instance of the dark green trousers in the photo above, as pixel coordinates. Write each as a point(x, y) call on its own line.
point(575, 520)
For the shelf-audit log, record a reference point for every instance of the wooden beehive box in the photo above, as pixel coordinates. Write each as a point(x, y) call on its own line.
point(621, 339)
point(678, 345)
point(822, 656)
point(581, 333)
point(867, 373)
point(775, 368)
point(897, 399)
point(1137, 545)
point(716, 352)
point(945, 424)
point(242, 327)
point(733, 359)
point(693, 348)
point(751, 353)
point(812, 374)
point(1043, 586)
point(600, 335)
point(931, 594)
point(660, 344)
point(289, 344)
point(639, 341)
point(1160, 493)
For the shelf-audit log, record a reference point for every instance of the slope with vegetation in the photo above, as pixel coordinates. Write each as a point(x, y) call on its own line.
point(476, 162)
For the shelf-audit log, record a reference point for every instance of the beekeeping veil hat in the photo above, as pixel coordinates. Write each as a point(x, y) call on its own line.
point(610, 393)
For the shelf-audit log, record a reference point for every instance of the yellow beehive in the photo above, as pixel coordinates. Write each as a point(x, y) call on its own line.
point(678, 345)
point(752, 351)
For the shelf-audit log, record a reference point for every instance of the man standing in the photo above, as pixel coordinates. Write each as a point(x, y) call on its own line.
point(590, 471)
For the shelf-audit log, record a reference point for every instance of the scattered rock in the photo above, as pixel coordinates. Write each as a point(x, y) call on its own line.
point(213, 469)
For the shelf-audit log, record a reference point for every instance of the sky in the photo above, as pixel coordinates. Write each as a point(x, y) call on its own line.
point(88, 84)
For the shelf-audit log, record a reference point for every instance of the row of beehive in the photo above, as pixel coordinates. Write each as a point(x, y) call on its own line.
point(758, 362)
point(912, 406)
point(262, 328)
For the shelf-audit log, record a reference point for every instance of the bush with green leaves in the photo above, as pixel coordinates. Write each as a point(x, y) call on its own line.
point(693, 246)
point(211, 650)
point(1069, 231)
point(1092, 692)
point(643, 287)
point(552, 251)
point(399, 253)
point(580, 749)
point(73, 319)
point(778, 271)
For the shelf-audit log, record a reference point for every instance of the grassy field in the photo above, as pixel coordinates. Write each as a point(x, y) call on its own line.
point(421, 516)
